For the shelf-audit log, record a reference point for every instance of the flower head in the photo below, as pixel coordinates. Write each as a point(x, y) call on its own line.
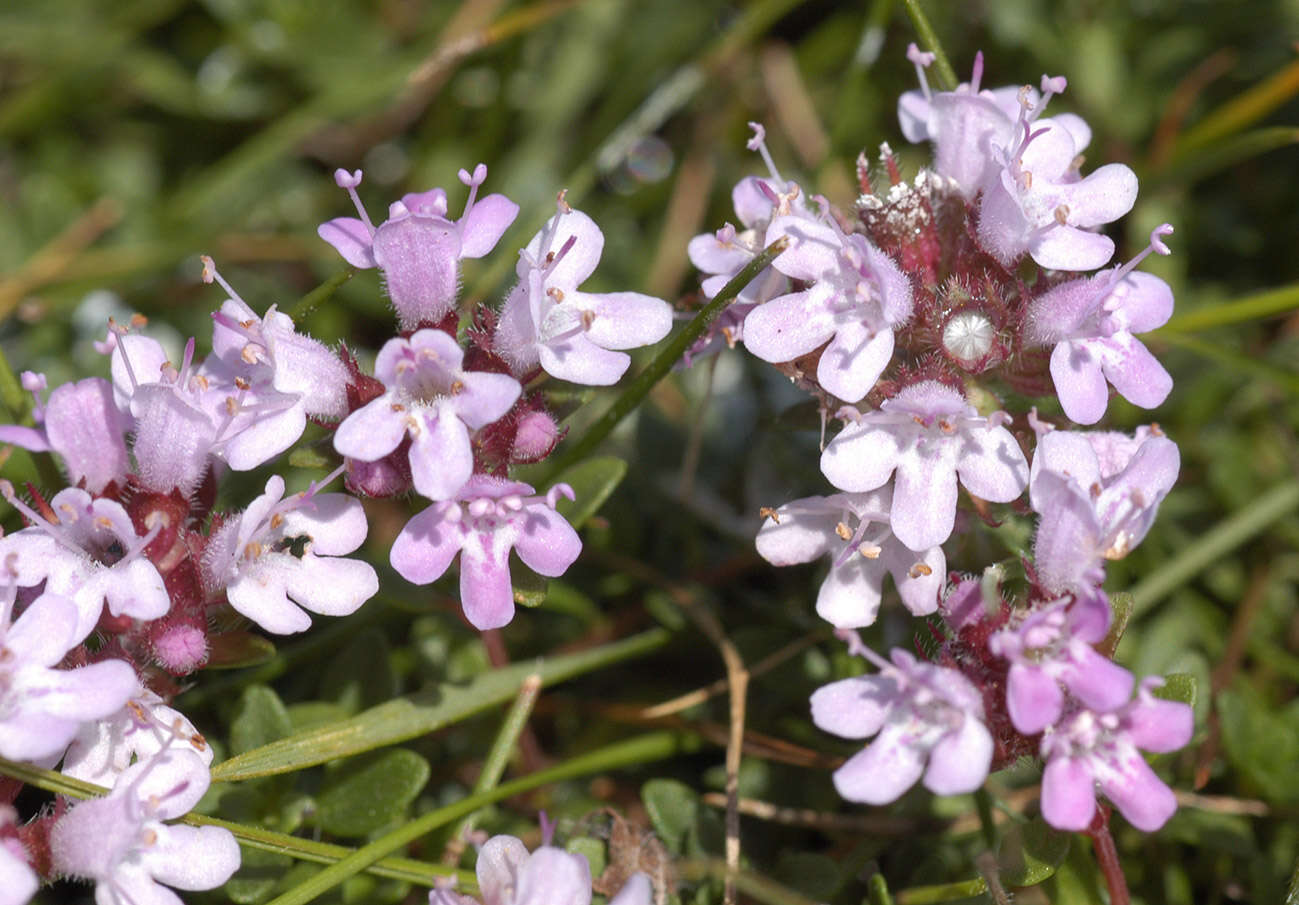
point(927, 720)
point(486, 519)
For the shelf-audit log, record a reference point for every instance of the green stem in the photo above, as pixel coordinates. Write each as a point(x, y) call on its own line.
point(11, 391)
point(1251, 308)
point(983, 803)
point(1210, 547)
point(945, 75)
point(404, 869)
point(645, 381)
point(877, 890)
point(641, 749)
point(503, 746)
point(313, 299)
point(942, 892)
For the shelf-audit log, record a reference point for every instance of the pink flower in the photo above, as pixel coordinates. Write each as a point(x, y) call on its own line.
point(928, 434)
point(856, 297)
point(927, 721)
point(487, 518)
point(1092, 323)
point(434, 401)
point(418, 248)
point(102, 750)
point(124, 844)
point(853, 530)
point(90, 555)
point(1087, 750)
point(83, 425)
point(573, 335)
point(1053, 647)
point(283, 556)
point(41, 708)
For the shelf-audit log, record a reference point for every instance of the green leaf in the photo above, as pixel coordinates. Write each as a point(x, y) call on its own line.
point(1262, 743)
point(673, 809)
point(414, 715)
point(370, 794)
point(259, 720)
point(590, 848)
point(1178, 686)
point(1121, 609)
point(258, 875)
point(810, 873)
point(592, 481)
point(1031, 852)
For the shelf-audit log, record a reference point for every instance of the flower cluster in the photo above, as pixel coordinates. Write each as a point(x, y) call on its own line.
point(909, 323)
point(447, 417)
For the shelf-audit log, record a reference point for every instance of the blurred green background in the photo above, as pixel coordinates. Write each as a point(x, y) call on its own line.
point(135, 136)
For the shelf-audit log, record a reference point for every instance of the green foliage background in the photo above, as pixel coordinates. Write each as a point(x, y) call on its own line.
point(136, 135)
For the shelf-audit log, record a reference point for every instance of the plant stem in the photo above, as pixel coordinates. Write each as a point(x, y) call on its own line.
point(657, 369)
point(946, 76)
point(1107, 856)
point(641, 749)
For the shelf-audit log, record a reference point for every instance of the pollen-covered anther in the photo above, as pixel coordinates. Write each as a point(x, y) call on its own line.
point(1062, 215)
point(919, 569)
point(253, 550)
point(768, 513)
point(276, 520)
point(947, 427)
point(729, 335)
point(843, 531)
point(232, 405)
point(554, 292)
point(249, 355)
point(871, 551)
point(457, 387)
point(397, 407)
point(588, 318)
point(242, 383)
point(102, 522)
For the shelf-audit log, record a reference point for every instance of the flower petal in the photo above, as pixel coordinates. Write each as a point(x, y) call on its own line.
point(1068, 794)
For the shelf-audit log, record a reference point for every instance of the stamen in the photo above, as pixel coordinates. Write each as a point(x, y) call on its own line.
point(976, 72)
point(759, 143)
point(344, 180)
point(473, 181)
point(768, 513)
point(922, 61)
point(1156, 246)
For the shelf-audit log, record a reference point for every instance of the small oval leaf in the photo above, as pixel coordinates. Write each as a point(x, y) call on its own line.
point(371, 793)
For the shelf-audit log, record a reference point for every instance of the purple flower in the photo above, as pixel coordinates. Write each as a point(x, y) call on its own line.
point(281, 556)
point(922, 713)
point(509, 875)
point(1053, 646)
point(272, 378)
point(1033, 199)
point(102, 750)
point(418, 248)
point(929, 435)
point(124, 843)
point(431, 399)
point(41, 708)
point(1041, 205)
point(573, 335)
point(89, 552)
point(1097, 494)
point(1088, 750)
point(856, 297)
point(178, 420)
point(83, 425)
point(1092, 322)
point(853, 529)
point(487, 518)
